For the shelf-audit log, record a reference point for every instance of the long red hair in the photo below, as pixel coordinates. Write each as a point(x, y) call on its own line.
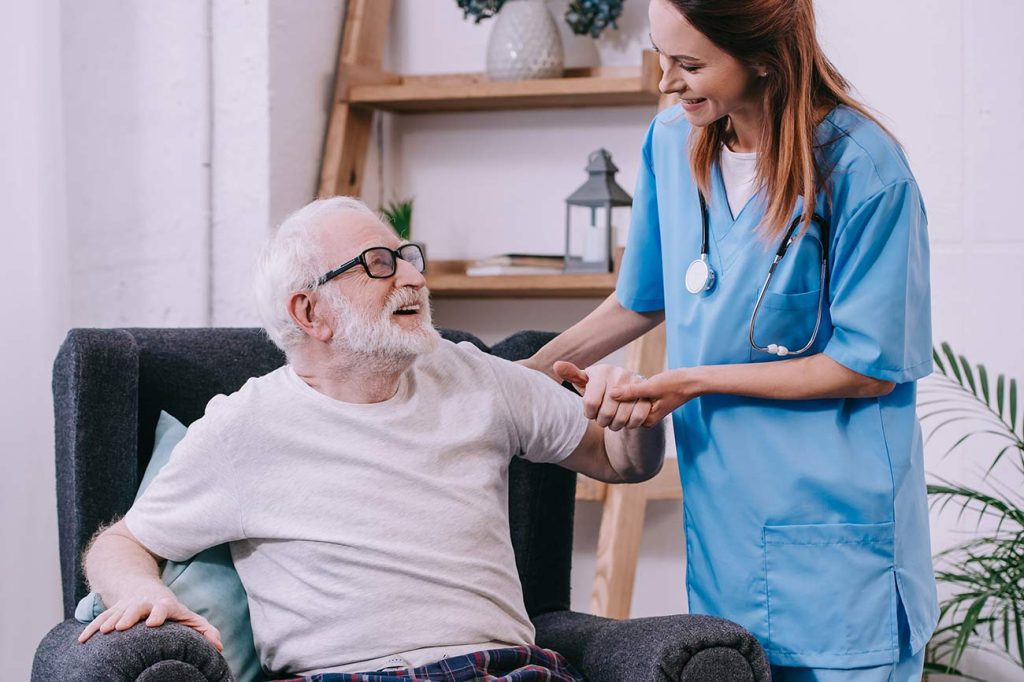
point(801, 84)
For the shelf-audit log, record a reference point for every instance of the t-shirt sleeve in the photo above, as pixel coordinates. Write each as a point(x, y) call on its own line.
point(190, 505)
point(547, 419)
point(879, 288)
point(640, 286)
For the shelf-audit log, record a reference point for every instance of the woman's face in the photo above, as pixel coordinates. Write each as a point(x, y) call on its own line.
point(710, 82)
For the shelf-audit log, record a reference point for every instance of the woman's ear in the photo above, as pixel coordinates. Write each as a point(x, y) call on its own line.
point(303, 309)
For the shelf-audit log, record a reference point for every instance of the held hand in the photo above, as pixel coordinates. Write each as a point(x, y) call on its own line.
point(594, 384)
point(156, 610)
point(666, 391)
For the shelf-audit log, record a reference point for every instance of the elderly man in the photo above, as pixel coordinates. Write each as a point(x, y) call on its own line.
point(363, 486)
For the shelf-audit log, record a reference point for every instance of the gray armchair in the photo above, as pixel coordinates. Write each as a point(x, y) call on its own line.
point(109, 387)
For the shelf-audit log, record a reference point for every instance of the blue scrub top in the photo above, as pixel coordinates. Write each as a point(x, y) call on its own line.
point(806, 521)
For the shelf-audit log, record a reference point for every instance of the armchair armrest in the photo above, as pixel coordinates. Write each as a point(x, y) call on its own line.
point(169, 653)
point(684, 648)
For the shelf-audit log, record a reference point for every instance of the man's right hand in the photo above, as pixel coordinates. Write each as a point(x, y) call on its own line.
point(156, 609)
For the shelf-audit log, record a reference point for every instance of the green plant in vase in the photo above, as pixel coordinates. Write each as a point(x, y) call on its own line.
point(584, 17)
point(986, 573)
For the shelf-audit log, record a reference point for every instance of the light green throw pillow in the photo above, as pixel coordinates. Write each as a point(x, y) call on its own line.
point(207, 583)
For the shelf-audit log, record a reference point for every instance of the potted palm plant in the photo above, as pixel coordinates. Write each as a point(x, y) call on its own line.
point(985, 609)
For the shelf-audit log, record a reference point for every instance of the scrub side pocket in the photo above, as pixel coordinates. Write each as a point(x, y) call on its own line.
point(831, 595)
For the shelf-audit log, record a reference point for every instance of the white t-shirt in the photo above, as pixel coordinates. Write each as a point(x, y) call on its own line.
point(739, 175)
point(366, 536)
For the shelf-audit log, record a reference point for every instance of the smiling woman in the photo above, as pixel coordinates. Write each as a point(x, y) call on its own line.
point(791, 293)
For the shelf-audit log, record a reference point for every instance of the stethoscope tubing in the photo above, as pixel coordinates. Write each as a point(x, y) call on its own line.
point(787, 241)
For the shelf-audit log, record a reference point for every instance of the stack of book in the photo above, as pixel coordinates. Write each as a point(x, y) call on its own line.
point(517, 264)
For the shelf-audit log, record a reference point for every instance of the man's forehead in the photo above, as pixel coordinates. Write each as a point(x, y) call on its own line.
point(353, 233)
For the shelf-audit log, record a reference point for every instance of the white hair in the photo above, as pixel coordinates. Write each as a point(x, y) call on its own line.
point(291, 261)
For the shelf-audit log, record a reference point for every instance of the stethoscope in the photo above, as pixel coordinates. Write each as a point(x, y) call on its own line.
point(700, 276)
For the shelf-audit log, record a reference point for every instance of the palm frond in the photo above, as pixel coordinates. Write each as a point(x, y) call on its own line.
point(986, 572)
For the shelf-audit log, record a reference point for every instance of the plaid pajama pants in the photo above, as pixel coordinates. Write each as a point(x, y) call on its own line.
point(512, 664)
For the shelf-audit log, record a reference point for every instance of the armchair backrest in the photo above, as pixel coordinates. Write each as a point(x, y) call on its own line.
point(109, 386)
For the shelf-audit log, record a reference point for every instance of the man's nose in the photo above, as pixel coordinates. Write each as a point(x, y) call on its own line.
point(408, 276)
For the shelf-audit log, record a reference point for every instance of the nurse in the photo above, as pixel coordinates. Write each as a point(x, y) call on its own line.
point(793, 404)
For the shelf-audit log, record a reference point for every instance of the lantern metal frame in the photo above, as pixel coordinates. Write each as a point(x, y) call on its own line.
point(600, 191)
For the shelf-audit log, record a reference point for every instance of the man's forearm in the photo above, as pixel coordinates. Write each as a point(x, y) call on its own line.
point(116, 565)
point(637, 454)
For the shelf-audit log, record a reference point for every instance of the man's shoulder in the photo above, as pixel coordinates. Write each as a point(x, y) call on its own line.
point(256, 394)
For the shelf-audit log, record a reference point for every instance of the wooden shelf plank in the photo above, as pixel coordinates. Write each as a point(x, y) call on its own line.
point(448, 279)
point(608, 86)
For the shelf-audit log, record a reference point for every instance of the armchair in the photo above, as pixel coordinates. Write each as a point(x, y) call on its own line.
point(109, 387)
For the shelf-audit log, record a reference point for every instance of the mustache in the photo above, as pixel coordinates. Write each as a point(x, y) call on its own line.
point(402, 298)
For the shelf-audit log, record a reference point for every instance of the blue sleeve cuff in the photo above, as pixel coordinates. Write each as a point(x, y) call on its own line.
point(875, 369)
point(637, 304)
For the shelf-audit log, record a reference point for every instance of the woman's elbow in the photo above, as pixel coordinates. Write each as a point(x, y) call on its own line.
point(869, 387)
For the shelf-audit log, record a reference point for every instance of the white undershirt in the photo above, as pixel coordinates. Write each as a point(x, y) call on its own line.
point(739, 175)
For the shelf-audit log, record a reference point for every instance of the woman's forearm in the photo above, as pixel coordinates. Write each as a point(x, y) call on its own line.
point(814, 377)
point(605, 330)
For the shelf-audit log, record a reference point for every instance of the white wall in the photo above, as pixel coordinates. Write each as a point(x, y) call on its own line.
point(184, 131)
point(34, 307)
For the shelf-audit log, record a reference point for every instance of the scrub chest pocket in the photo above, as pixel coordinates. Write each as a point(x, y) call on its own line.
point(786, 320)
point(831, 595)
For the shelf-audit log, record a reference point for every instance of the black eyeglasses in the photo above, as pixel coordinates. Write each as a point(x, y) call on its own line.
point(380, 262)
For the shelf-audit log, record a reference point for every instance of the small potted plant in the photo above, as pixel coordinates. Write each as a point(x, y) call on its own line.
point(399, 215)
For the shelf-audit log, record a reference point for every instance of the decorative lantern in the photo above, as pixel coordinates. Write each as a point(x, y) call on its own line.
point(590, 248)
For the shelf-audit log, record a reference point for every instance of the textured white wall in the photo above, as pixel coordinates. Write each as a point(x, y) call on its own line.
point(34, 307)
point(136, 117)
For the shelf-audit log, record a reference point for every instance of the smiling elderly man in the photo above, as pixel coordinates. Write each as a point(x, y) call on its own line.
point(363, 486)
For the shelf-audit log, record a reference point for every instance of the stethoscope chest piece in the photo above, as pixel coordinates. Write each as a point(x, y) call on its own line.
point(699, 276)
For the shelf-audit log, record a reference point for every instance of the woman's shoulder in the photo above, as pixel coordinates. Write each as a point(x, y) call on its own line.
point(670, 121)
point(855, 148)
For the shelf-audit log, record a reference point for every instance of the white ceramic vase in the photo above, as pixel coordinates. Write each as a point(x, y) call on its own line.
point(524, 43)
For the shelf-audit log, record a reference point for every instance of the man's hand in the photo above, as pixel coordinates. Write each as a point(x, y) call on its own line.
point(596, 384)
point(156, 609)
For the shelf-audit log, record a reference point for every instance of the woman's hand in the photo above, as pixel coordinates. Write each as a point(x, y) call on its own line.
point(666, 391)
point(594, 385)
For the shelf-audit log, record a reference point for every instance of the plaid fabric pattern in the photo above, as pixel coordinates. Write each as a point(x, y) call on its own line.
point(512, 664)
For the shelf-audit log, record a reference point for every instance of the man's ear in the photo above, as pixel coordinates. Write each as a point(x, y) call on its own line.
point(302, 307)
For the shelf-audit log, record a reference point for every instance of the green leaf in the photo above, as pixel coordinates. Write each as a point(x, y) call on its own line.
point(1000, 393)
point(952, 362)
point(983, 378)
point(1013, 405)
point(937, 359)
point(966, 630)
point(969, 375)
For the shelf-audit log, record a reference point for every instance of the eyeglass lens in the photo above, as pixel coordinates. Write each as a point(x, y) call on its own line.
point(380, 262)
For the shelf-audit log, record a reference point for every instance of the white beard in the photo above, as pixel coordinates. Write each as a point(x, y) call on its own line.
point(379, 339)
